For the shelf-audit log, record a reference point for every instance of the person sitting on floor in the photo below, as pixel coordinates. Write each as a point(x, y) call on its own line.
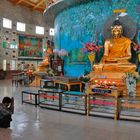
point(6, 111)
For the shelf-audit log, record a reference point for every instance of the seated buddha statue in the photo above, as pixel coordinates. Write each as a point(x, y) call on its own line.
point(117, 52)
point(43, 65)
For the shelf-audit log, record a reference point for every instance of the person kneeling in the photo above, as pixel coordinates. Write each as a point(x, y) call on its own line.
point(6, 111)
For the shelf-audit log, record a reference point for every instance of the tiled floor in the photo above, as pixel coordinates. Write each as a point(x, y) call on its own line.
point(31, 123)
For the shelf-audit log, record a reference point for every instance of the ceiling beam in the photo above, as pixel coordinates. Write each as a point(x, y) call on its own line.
point(19, 1)
point(38, 4)
point(28, 2)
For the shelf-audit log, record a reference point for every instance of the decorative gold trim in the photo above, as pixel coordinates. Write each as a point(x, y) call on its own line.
point(119, 11)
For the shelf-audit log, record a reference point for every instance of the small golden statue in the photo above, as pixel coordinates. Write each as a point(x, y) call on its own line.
point(42, 67)
point(45, 63)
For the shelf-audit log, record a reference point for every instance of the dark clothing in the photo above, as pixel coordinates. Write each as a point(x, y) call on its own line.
point(5, 116)
point(5, 121)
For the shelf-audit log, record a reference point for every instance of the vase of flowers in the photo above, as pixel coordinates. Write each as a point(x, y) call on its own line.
point(130, 84)
point(85, 79)
point(91, 49)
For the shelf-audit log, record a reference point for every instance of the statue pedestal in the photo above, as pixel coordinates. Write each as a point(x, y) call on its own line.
point(38, 76)
point(41, 71)
point(114, 75)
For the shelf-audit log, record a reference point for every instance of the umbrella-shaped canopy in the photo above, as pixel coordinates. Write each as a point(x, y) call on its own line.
point(129, 26)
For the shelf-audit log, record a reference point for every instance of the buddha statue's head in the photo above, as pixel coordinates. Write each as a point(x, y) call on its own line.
point(116, 29)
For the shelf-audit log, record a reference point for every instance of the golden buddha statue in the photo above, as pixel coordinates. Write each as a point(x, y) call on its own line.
point(117, 52)
point(43, 65)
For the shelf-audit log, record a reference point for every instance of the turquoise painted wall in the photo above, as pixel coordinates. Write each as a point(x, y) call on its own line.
point(84, 22)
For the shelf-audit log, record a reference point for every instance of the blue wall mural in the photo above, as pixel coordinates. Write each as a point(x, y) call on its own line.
point(84, 22)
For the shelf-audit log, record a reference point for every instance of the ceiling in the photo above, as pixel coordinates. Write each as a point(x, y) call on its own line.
point(35, 5)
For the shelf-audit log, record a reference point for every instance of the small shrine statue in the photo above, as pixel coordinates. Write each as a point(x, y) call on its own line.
point(43, 65)
point(117, 52)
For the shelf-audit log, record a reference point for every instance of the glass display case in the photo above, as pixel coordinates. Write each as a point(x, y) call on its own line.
point(46, 83)
point(73, 101)
point(102, 105)
point(130, 108)
point(103, 102)
point(50, 98)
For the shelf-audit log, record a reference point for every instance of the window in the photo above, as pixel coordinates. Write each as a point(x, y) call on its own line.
point(13, 46)
point(7, 23)
point(21, 26)
point(4, 64)
point(51, 31)
point(39, 30)
point(13, 64)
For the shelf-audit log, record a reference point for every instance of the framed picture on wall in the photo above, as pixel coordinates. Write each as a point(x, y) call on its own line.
point(30, 47)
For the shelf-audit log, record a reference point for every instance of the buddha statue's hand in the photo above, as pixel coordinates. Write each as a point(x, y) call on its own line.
point(126, 58)
point(103, 59)
point(123, 60)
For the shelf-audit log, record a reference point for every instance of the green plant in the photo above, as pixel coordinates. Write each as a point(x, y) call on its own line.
point(50, 72)
point(84, 78)
point(138, 80)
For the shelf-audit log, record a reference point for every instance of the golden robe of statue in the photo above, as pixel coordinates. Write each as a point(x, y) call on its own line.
point(43, 65)
point(117, 53)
